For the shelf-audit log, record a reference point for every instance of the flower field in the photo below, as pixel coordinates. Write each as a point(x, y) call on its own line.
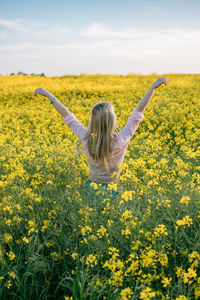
point(55, 243)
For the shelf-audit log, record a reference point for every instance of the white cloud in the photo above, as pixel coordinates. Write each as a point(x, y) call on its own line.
point(97, 30)
point(99, 48)
point(150, 6)
point(12, 24)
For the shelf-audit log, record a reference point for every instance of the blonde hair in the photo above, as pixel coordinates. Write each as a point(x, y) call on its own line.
point(100, 132)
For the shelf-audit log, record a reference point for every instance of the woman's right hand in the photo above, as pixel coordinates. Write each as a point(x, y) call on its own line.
point(160, 81)
point(43, 92)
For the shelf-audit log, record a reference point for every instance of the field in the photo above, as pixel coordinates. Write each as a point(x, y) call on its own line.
point(55, 244)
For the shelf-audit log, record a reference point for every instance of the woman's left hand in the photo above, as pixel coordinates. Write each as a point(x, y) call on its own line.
point(43, 92)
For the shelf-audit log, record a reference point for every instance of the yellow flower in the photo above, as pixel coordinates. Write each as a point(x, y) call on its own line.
point(7, 238)
point(94, 185)
point(66, 251)
point(11, 255)
point(185, 221)
point(187, 276)
point(112, 187)
point(91, 260)
point(179, 271)
point(9, 284)
point(166, 281)
point(185, 199)
point(101, 232)
point(25, 240)
point(181, 297)
point(125, 294)
point(12, 274)
point(56, 256)
point(74, 255)
point(49, 244)
point(127, 195)
point(160, 229)
point(147, 294)
point(126, 215)
point(126, 231)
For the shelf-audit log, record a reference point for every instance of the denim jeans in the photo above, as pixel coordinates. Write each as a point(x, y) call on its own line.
point(100, 193)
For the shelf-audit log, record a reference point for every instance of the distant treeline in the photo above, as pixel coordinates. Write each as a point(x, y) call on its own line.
point(25, 74)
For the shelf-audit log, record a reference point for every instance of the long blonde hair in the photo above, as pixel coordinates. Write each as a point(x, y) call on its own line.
point(100, 132)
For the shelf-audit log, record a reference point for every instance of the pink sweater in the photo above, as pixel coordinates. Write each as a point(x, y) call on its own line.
point(96, 170)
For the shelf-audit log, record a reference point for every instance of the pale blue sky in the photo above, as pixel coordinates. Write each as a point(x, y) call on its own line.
point(108, 37)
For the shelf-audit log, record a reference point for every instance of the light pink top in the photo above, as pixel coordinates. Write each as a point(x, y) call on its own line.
point(96, 170)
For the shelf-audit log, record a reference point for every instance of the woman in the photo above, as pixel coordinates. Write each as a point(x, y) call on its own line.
point(104, 149)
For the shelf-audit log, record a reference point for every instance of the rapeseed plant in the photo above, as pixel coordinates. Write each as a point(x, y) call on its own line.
point(142, 244)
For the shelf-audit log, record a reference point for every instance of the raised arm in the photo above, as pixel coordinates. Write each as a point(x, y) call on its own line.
point(69, 118)
point(63, 111)
point(142, 105)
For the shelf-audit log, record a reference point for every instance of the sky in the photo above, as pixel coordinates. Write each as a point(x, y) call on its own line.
point(99, 37)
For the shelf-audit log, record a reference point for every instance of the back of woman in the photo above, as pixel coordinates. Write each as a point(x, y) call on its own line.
point(104, 149)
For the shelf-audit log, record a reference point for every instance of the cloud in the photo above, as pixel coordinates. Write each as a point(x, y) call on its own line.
point(12, 24)
point(98, 48)
point(150, 6)
point(97, 30)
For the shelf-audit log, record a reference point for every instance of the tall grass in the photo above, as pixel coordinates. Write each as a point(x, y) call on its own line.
point(58, 244)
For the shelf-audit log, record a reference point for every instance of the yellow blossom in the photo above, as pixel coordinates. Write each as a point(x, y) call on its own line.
point(181, 297)
point(12, 274)
point(7, 238)
point(91, 260)
point(166, 281)
point(185, 200)
point(185, 221)
point(11, 255)
point(147, 294)
point(160, 229)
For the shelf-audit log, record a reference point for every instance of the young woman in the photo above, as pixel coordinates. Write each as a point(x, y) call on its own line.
point(104, 149)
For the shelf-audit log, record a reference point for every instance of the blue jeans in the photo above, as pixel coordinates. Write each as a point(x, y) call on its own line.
point(100, 193)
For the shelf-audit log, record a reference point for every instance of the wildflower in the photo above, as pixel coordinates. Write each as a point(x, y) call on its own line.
point(149, 258)
point(7, 238)
point(187, 276)
point(9, 284)
point(160, 229)
point(101, 232)
point(91, 260)
point(86, 229)
point(166, 281)
point(181, 297)
point(147, 294)
point(126, 215)
point(66, 251)
point(11, 255)
point(56, 256)
point(112, 187)
point(185, 199)
point(125, 294)
point(94, 185)
point(50, 244)
point(197, 289)
point(185, 221)
point(45, 225)
point(12, 274)
point(25, 240)
point(128, 195)
point(179, 271)
point(110, 222)
point(49, 182)
point(74, 255)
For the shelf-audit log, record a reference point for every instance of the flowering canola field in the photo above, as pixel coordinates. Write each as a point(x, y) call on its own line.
point(56, 244)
